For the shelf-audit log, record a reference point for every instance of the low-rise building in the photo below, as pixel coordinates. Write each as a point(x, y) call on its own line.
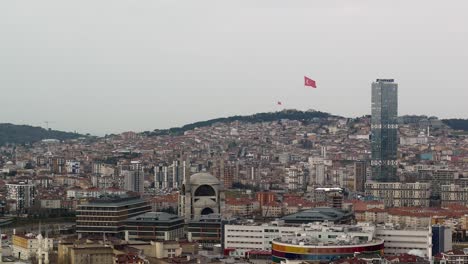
point(403, 240)
point(27, 246)
point(241, 238)
point(154, 226)
point(452, 257)
point(272, 210)
point(73, 253)
point(206, 230)
point(241, 207)
point(167, 249)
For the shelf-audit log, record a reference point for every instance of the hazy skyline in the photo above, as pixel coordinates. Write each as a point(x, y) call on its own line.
point(112, 66)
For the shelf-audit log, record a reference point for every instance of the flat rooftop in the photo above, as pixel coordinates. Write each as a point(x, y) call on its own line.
point(318, 214)
point(113, 201)
point(154, 217)
point(315, 242)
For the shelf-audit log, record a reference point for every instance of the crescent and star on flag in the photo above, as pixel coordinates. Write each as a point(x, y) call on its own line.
point(309, 82)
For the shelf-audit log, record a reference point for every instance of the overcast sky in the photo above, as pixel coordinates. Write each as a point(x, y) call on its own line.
point(112, 66)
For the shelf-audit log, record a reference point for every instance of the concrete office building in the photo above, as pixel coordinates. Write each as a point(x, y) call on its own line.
point(441, 239)
point(154, 226)
point(207, 230)
point(108, 215)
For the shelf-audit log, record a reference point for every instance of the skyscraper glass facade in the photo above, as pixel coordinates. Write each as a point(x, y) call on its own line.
point(384, 126)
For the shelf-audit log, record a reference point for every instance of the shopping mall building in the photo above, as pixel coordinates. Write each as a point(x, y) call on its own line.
point(326, 244)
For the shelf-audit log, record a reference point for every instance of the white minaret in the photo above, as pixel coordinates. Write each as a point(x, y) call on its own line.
point(39, 248)
point(46, 249)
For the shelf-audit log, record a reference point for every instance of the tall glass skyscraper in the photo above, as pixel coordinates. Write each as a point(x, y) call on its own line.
point(384, 130)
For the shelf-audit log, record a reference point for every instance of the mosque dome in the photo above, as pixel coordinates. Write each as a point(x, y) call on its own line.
point(203, 178)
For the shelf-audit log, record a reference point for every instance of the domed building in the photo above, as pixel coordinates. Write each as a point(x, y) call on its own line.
point(201, 194)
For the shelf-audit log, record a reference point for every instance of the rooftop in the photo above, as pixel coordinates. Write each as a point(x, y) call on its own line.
point(154, 217)
point(113, 201)
point(318, 214)
point(313, 241)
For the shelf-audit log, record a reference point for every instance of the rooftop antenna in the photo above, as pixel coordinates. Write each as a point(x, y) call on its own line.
point(47, 124)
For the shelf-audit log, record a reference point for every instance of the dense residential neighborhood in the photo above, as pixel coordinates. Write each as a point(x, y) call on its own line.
point(259, 175)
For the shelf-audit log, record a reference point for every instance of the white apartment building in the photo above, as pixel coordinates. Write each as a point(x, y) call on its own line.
point(72, 167)
point(397, 194)
point(22, 193)
point(294, 178)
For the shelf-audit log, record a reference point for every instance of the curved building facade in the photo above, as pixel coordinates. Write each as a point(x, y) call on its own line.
point(293, 248)
point(201, 194)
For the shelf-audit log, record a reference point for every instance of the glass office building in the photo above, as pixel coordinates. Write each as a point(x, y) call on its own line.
point(384, 134)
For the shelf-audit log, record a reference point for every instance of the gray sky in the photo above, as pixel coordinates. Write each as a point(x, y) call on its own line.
point(112, 66)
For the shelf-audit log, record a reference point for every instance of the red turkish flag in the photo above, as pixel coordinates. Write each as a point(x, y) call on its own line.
point(309, 82)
